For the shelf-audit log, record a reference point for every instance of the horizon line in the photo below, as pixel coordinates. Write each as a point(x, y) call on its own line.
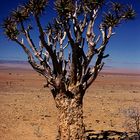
point(23, 64)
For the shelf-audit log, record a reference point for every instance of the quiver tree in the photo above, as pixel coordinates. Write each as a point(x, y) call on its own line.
point(65, 49)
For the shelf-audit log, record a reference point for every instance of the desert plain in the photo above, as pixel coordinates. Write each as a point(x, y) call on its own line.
point(28, 112)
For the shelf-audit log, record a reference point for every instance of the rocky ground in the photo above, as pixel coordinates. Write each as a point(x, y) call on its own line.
point(28, 112)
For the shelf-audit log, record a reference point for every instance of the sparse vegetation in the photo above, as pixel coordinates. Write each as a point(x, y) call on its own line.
point(65, 49)
point(132, 122)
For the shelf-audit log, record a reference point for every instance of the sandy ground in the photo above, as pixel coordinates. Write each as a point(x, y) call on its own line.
point(28, 112)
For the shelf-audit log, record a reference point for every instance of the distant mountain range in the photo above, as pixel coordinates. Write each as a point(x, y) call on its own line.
point(19, 64)
point(13, 62)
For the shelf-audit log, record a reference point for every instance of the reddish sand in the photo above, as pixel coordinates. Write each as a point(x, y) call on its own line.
point(28, 112)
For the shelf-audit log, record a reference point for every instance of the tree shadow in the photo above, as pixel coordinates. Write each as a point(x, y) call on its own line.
point(110, 135)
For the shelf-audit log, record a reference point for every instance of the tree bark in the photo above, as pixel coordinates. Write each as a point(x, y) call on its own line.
point(71, 126)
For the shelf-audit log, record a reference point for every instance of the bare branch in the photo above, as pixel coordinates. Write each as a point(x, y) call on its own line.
point(48, 48)
point(84, 23)
point(90, 36)
point(31, 43)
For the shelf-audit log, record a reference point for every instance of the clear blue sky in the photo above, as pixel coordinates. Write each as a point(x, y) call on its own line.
point(124, 47)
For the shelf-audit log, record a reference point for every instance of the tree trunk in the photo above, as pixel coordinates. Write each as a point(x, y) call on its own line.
point(71, 126)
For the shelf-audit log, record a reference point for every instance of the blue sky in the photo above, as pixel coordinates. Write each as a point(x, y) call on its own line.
point(124, 47)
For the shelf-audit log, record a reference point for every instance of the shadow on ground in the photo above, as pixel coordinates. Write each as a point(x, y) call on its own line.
point(111, 135)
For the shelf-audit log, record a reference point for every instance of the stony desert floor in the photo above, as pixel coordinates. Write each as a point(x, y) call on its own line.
point(28, 112)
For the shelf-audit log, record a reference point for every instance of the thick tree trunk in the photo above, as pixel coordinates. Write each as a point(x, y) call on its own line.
point(71, 126)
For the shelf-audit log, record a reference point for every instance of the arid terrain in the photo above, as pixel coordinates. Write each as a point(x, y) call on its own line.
point(28, 112)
